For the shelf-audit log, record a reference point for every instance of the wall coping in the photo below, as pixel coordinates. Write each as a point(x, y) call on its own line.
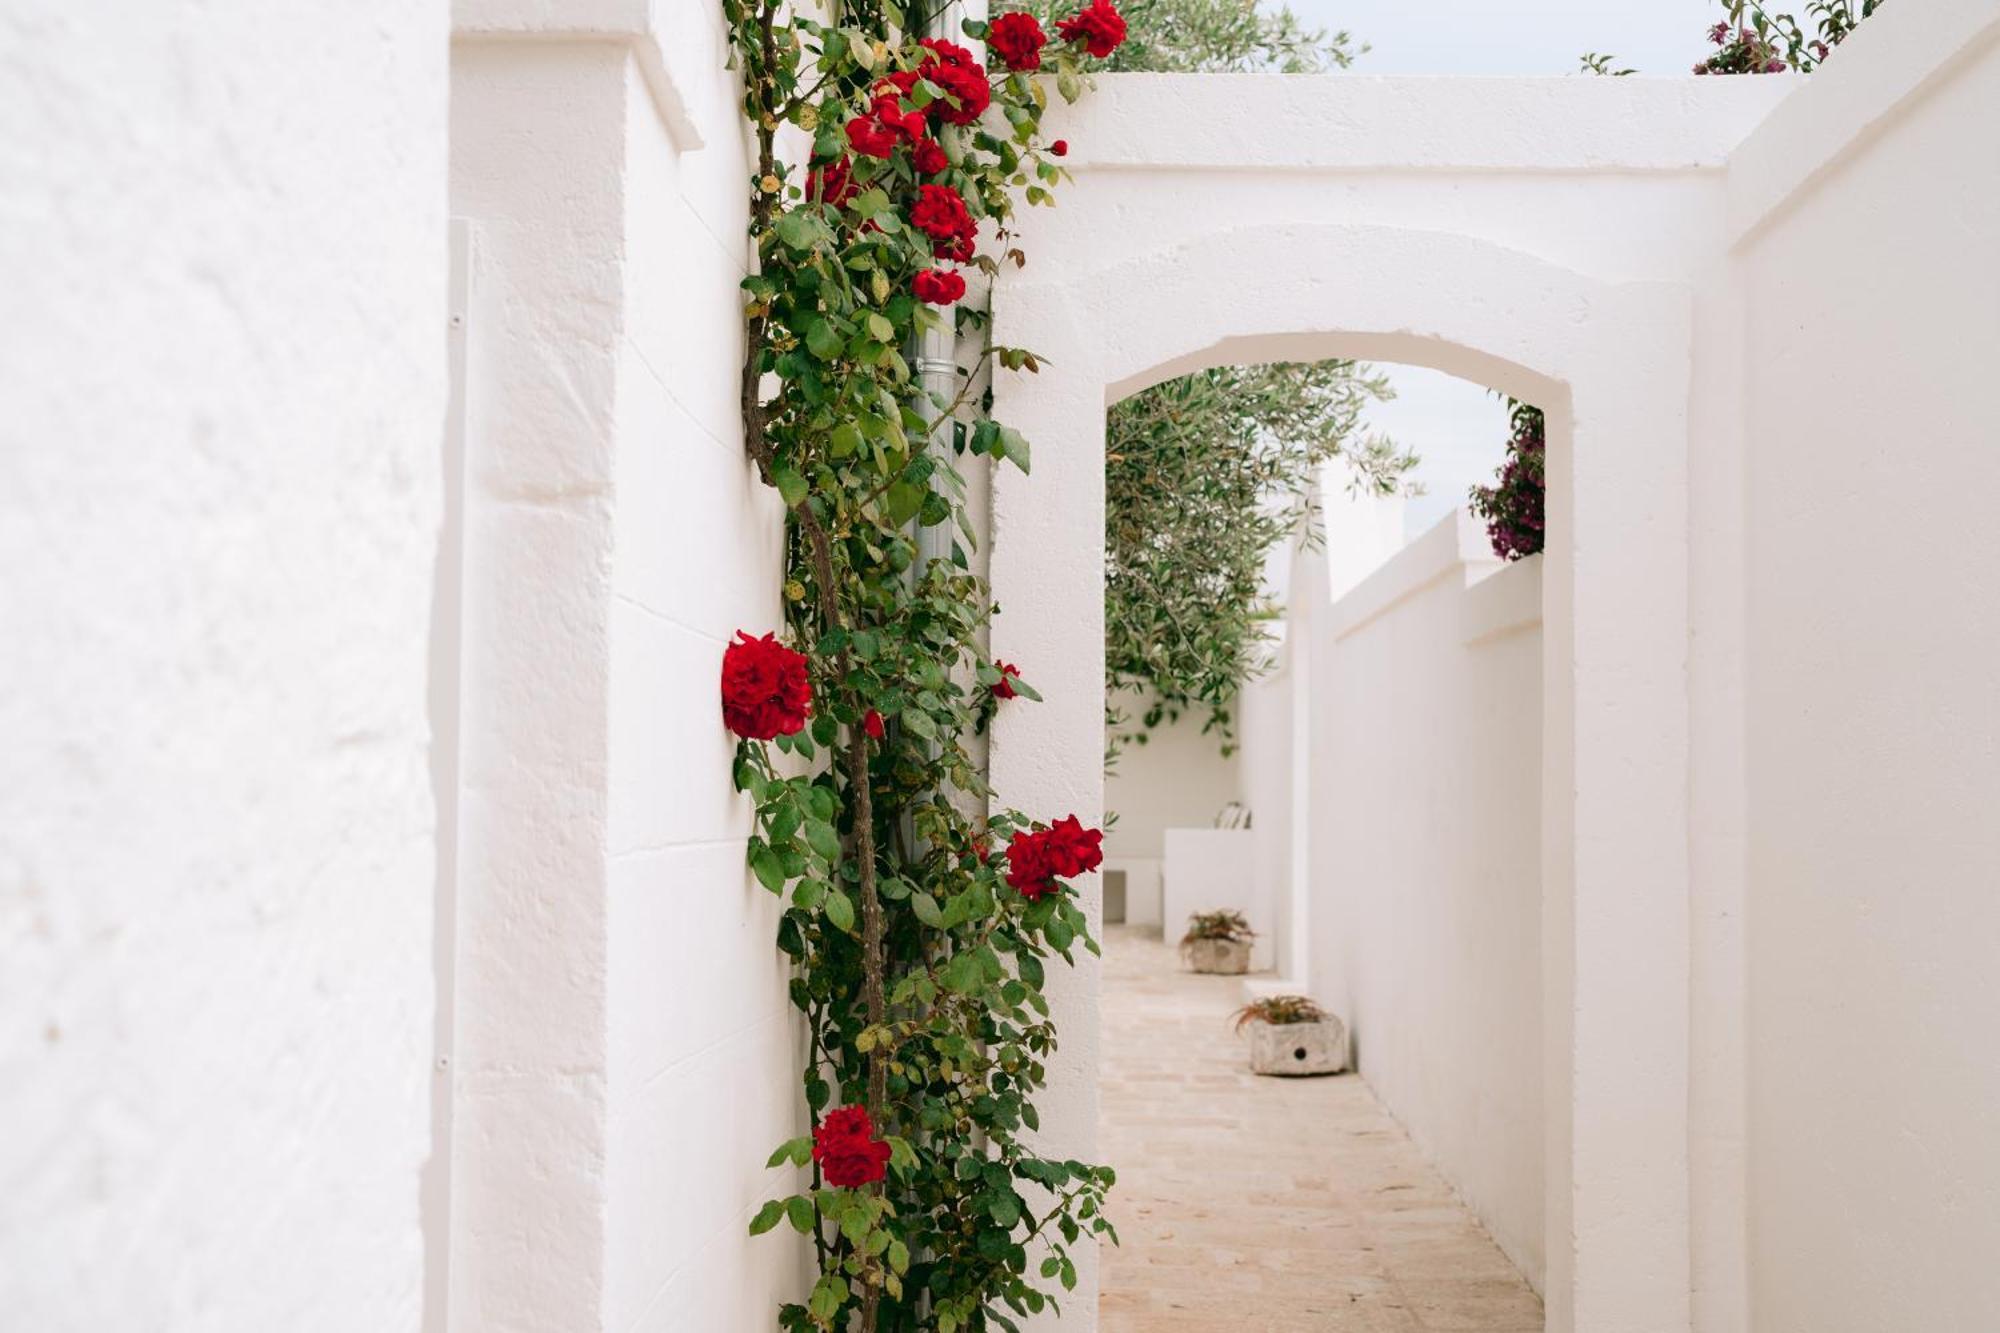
point(660, 34)
point(1455, 547)
point(1896, 57)
point(1405, 123)
point(1506, 602)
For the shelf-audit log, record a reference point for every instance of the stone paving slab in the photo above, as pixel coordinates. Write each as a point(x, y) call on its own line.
point(1267, 1205)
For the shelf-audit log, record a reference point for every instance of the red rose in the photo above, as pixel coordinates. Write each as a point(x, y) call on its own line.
point(872, 724)
point(765, 692)
point(845, 1146)
point(1036, 859)
point(1018, 40)
point(1009, 673)
point(868, 138)
point(1072, 849)
point(888, 123)
point(952, 68)
point(939, 286)
point(1028, 871)
point(929, 156)
point(940, 213)
point(1060, 148)
point(831, 183)
point(1098, 25)
point(958, 249)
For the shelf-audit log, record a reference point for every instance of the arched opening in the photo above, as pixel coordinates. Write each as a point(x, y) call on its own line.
point(1388, 760)
point(1609, 363)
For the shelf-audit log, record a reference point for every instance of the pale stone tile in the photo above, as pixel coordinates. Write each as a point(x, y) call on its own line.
point(1251, 1205)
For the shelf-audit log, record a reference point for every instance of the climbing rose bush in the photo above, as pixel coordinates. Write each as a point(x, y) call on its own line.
point(765, 689)
point(918, 951)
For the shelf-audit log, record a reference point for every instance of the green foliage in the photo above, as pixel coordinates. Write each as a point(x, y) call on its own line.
point(919, 972)
point(1755, 40)
point(1279, 1011)
point(1595, 62)
point(1204, 475)
point(1515, 506)
point(1215, 37)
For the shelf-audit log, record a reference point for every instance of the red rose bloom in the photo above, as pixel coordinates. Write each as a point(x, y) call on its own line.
point(765, 692)
point(929, 156)
point(938, 286)
point(868, 138)
point(847, 1150)
point(1036, 859)
point(1018, 40)
point(888, 123)
point(1098, 25)
point(940, 213)
point(1072, 849)
point(958, 249)
point(1009, 673)
point(831, 183)
point(1060, 148)
point(952, 68)
point(1028, 870)
point(872, 724)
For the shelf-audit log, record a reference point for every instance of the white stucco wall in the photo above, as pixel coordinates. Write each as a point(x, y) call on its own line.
point(628, 1055)
point(1425, 877)
point(223, 252)
point(1866, 215)
point(1179, 778)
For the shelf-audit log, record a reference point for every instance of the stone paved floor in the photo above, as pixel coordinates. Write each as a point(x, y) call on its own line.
point(1265, 1205)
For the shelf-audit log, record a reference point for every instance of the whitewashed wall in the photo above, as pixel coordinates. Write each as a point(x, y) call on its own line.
point(222, 359)
point(1864, 218)
point(1425, 875)
point(1178, 779)
point(627, 1055)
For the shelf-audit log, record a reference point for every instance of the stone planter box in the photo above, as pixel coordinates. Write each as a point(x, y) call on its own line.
point(1292, 1050)
point(1226, 957)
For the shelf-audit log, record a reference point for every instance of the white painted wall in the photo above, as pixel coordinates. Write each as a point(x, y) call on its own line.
point(1425, 878)
point(628, 1056)
point(1865, 216)
point(223, 252)
point(1178, 778)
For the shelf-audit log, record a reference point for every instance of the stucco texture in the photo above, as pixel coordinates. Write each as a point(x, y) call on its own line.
point(223, 252)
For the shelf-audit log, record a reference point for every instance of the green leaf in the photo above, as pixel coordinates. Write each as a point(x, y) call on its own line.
point(839, 909)
point(791, 1151)
point(767, 1217)
point(927, 911)
point(769, 868)
point(880, 328)
point(799, 1210)
point(790, 485)
point(822, 838)
point(825, 343)
point(800, 230)
point(1014, 447)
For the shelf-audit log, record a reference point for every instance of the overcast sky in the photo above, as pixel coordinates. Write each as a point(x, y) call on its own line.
point(1459, 428)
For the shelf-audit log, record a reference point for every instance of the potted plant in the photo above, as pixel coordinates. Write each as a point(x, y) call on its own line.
point(1291, 1035)
point(1218, 942)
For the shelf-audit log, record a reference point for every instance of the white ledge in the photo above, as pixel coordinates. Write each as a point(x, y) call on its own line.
point(636, 23)
point(1346, 122)
point(1504, 603)
point(1894, 58)
point(1456, 548)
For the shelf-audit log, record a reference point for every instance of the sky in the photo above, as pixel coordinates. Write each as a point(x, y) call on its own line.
point(1460, 429)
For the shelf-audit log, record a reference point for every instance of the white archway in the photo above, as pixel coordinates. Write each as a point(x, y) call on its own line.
point(1610, 362)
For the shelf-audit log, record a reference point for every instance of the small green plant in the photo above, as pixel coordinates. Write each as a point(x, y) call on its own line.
point(1280, 1011)
point(1227, 926)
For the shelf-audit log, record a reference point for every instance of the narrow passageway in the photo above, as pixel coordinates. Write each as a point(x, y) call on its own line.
point(1266, 1205)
